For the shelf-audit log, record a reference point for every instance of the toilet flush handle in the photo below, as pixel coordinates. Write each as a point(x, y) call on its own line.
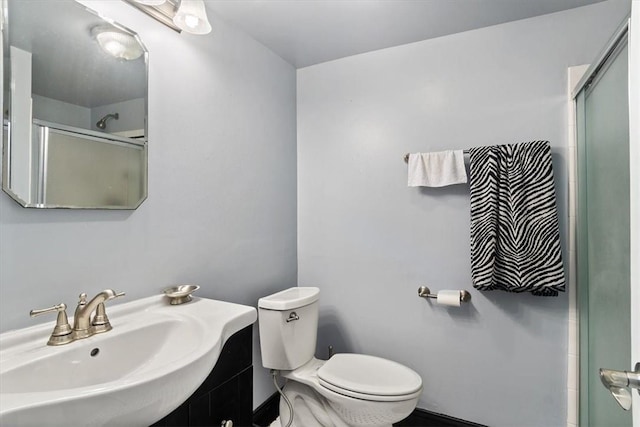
point(293, 316)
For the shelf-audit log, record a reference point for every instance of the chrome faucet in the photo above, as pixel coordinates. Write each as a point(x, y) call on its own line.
point(82, 325)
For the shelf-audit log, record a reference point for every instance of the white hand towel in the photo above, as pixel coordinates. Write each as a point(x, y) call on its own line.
point(437, 169)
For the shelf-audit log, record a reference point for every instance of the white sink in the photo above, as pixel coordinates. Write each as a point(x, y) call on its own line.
point(152, 360)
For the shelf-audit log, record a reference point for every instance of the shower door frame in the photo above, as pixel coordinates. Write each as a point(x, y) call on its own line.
point(632, 34)
point(634, 161)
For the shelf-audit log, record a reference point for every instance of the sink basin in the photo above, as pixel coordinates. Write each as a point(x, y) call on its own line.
point(155, 357)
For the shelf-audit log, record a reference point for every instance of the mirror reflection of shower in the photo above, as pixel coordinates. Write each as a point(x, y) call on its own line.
point(102, 123)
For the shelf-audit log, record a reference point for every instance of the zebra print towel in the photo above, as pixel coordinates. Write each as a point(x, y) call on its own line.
point(515, 240)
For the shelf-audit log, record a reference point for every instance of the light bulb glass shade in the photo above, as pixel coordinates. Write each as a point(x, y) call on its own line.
point(192, 17)
point(151, 2)
point(117, 44)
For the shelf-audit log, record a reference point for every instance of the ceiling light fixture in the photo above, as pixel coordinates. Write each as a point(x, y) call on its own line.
point(116, 43)
point(192, 17)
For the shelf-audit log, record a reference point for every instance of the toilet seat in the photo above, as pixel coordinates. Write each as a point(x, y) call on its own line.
point(369, 378)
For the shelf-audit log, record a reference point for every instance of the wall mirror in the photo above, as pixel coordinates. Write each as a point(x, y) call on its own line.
point(75, 108)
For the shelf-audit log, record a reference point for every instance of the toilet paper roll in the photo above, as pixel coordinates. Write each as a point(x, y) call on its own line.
point(451, 298)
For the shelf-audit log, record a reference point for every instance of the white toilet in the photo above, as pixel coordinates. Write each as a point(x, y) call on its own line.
point(346, 390)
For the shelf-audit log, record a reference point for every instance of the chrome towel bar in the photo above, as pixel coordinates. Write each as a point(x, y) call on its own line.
point(406, 156)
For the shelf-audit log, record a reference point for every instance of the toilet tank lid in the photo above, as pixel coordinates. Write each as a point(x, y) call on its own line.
point(290, 298)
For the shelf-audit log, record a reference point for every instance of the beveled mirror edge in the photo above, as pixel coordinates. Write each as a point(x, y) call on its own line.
point(4, 143)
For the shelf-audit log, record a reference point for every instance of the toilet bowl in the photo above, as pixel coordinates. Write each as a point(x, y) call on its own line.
point(346, 390)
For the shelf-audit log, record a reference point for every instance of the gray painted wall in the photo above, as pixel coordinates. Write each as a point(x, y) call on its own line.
point(369, 242)
point(55, 111)
point(222, 200)
point(221, 210)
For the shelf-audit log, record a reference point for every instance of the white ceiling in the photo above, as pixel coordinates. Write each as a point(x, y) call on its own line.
point(303, 32)
point(307, 32)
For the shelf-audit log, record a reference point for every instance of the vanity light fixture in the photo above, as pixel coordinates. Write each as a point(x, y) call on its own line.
point(117, 43)
point(179, 15)
point(163, 12)
point(192, 17)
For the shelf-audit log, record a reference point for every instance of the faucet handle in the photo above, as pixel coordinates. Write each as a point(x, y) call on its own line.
point(109, 294)
point(100, 321)
point(62, 331)
point(60, 307)
point(112, 294)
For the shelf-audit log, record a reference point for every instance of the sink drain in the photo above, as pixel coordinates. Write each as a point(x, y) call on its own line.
point(95, 352)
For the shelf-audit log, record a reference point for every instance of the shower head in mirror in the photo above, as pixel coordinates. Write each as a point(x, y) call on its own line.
point(102, 123)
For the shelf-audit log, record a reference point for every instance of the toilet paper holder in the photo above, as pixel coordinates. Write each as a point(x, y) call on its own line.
point(425, 292)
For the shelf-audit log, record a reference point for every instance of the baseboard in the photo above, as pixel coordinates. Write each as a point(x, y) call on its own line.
point(268, 411)
point(423, 418)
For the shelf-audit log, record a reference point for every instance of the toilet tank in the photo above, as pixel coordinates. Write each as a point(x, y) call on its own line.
point(288, 324)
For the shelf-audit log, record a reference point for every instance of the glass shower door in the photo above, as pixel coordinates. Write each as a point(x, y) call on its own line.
point(604, 238)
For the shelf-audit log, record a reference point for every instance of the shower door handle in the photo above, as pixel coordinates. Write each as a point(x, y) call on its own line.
point(619, 383)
